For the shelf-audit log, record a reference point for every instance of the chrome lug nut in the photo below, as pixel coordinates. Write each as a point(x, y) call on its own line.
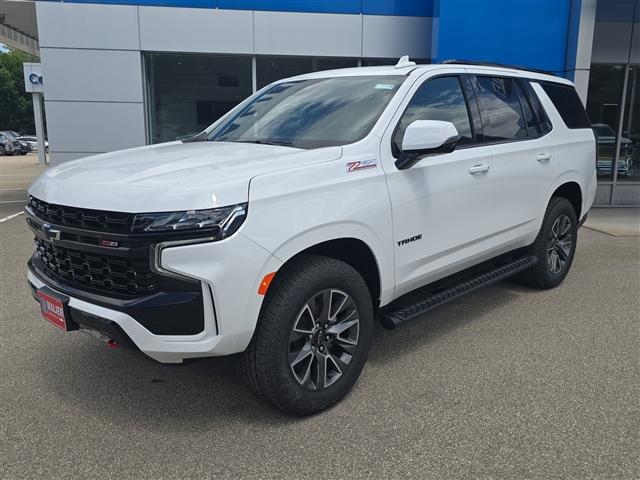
point(321, 348)
point(327, 337)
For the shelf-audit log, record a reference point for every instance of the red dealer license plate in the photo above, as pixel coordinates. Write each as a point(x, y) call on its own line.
point(53, 310)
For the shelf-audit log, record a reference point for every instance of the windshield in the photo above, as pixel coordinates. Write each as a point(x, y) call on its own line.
point(311, 113)
point(9, 135)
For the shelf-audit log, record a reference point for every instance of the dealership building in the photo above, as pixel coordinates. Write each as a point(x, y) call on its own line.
point(124, 73)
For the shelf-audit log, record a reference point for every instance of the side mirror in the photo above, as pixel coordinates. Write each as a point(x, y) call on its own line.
point(426, 137)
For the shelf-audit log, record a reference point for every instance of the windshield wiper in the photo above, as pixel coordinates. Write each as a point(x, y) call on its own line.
point(282, 143)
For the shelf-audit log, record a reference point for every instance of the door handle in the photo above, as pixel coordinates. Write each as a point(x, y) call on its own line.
point(543, 157)
point(477, 169)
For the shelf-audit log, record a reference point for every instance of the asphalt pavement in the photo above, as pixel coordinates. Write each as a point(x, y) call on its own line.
point(507, 382)
point(16, 174)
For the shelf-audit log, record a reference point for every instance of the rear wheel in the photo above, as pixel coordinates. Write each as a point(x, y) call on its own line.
point(554, 246)
point(313, 336)
point(2, 151)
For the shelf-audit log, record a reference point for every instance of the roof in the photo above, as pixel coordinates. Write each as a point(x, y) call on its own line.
point(416, 70)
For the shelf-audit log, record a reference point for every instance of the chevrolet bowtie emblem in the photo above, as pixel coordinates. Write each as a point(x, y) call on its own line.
point(50, 232)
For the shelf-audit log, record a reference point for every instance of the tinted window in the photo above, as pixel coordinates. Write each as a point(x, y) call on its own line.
point(501, 109)
point(533, 126)
point(534, 102)
point(437, 99)
point(566, 100)
point(187, 92)
point(271, 68)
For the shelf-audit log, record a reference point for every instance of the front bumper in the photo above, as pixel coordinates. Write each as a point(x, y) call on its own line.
point(229, 273)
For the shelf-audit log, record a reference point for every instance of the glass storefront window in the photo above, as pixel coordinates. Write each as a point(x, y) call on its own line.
point(269, 69)
point(629, 169)
point(603, 107)
point(188, 92)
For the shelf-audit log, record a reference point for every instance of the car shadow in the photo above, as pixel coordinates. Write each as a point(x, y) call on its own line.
point(418, 333)
point(125, 386)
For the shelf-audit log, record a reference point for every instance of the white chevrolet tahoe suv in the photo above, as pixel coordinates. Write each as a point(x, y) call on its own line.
point(318, 205)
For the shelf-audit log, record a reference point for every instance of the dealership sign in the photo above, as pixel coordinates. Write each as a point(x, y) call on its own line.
point(33, 77)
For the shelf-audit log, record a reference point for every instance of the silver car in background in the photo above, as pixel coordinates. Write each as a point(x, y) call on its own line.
point(33, 141)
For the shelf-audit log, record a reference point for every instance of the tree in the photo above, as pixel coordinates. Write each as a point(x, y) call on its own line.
point(16, 106)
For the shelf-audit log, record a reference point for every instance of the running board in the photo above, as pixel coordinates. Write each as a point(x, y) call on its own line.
point(398, 313)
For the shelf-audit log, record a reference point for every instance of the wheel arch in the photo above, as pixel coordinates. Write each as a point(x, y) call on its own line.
point(352, 251)
point(572, 191)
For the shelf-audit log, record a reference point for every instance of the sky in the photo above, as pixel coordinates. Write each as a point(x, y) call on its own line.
point(3, 48)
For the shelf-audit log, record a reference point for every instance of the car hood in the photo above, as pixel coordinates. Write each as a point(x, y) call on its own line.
point(169, 177)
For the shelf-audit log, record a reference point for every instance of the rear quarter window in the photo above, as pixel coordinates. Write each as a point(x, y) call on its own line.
point(568, 104)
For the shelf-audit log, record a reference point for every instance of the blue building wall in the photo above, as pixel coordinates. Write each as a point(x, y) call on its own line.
point(530, 33)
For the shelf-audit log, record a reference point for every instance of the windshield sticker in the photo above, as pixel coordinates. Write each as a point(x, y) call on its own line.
point(361, 165)
point(385, 86)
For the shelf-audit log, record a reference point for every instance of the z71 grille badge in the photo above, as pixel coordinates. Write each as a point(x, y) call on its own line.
point(108, 243)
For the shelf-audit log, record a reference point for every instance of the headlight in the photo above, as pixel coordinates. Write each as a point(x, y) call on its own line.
point(219, 223)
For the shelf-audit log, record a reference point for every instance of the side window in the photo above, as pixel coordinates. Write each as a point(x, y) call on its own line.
point(502, 115)
point(534, 129)
point(534, 102)
point(568, 103)
point(437, 99)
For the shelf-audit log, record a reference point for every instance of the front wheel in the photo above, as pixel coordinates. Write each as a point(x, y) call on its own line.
point(313, 336)
point(554, 246)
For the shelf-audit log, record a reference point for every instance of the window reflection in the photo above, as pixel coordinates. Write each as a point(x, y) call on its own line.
point(503, 111)
point(603, 107)
point(272, 68)
point(629, 160)
point(437, 99)
point(312, 113)
point(188, 92)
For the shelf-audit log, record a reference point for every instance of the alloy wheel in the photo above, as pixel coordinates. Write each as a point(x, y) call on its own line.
point(559, 244)
point(324, 339)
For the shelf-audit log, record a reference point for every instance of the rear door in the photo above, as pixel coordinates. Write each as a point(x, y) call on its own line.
point(515, 127)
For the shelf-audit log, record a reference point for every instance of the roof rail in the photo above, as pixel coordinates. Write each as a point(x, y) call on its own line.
point(454, 61)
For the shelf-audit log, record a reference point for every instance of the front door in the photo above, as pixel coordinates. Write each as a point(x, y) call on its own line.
point(442, 206)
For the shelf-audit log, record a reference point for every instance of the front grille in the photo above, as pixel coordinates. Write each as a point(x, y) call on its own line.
point(105, 273)
point(97, 220)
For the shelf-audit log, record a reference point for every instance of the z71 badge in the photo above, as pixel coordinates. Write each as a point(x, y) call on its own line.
point(361, 165)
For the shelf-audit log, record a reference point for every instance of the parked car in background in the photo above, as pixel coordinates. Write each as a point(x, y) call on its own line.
point(9, 145)
point(21, 148)
point(33, 142)
point(606, 141)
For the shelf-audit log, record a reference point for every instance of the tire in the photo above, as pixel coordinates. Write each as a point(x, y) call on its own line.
point(2, 151)
point(278, 364)
point(23, 153)
point(554, 255)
